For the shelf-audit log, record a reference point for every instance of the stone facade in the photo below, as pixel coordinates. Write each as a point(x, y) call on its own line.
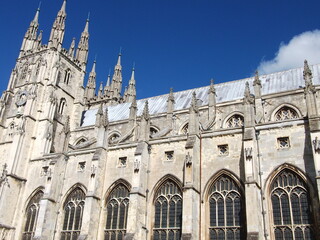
point(237, 160)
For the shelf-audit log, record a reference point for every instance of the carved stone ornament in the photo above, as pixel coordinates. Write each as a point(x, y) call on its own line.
point(136, 165)
point(316, 145)
point(188, 160)
point(4, 176)
point(248, 153)
point(21, 98)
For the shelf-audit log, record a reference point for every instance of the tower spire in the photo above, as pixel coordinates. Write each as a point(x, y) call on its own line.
point(91, 86)
point(57, 31)
point(30, 38)
point(131, 91)
point(116, 84)
point(83, 46)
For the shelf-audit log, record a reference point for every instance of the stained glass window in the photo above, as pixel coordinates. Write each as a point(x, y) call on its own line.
point(168, 212)
point(225, 210)
point(73, 210)
point(117, 213)
point(290, 207)
point(31, 216)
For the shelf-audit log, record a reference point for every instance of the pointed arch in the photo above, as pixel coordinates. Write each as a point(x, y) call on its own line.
point(31, 213)
point(67, 76)
point(233, 120)
point(73, 210)
point(184, 129)
point(153, 130)
point(168, 202)
point(117, 205)
point(291, 206)
point(80, 140)
point(225, 204)
point(62, 105)
point(114, 136)
point(285, 112)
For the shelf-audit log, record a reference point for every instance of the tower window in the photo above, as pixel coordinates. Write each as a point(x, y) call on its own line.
point(291, 207)
point(73, 211)
point(62, 105)
point(223, 149)
point(67, 76)
point(122, 162)
point(117, 213)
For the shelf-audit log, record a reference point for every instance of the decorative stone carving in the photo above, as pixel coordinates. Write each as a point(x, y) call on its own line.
point(21, 98)
point(188, 160)
point(248, 153)
point(316, 145)
point(136, 165)
point(4, 176)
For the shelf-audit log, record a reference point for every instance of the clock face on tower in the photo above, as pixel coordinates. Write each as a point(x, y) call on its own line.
point(21, 98)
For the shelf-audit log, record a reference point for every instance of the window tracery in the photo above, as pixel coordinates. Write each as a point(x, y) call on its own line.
point(67, 76)
point(117, 213)
point(32, 216)
point(226, 213)
point(235, 121)
point(73, 210)
point(285, 113)
point(291, 207)
point(168, 212)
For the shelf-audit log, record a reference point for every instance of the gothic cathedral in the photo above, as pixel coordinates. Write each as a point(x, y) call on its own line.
point(231, 161)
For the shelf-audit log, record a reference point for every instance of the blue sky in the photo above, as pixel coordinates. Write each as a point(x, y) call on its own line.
point(175, 43)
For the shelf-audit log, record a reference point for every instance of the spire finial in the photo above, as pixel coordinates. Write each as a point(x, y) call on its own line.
point(94, 66)
point(257, 80)
point(88, 18)
point(119, 58)
point(63, 7)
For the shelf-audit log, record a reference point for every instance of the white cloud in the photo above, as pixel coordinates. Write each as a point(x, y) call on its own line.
point(291, 55)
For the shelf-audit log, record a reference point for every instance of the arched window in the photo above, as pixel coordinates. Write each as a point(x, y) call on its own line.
point(67, 76)
point(24, 71)
point(117, 213)
point(114, 138)
point(285, 113)
point(291, 207)
point(62, 105)
point(185, 129)
point(153, 131)
point(73, 210)
point(226, 213)
point(235, 121)
point(168, 212)
point(32, 216)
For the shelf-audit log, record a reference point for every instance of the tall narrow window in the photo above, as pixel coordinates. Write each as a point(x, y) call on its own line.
point(168, 212)
point(62, 105)
point(291, 207)
point(67, 76)
point(73, 210)
point(32, 216)
point(226, 214)
point(117, 213)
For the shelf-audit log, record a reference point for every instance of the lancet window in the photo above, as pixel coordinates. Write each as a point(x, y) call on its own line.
point(62, 105)
point(285, 113)
point(291, 207)
point(117, 213)
point(226, 212)
point(73, 211)
point(67, 76)
point(168, 212)
point(32, 216)
point(235, 121)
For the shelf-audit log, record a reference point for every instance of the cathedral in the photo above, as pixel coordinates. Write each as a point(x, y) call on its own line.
point(238, 160)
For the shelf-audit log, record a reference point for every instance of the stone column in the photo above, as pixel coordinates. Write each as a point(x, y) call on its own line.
point(252, 183)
